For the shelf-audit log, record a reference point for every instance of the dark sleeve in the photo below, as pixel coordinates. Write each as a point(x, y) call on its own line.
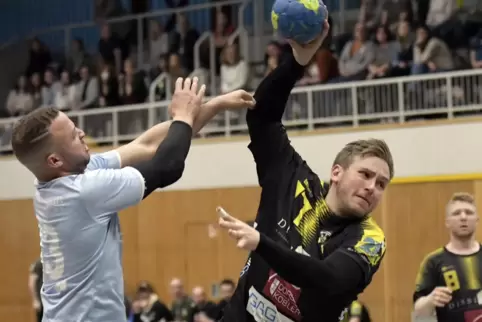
point(348, 269)
point(426, 279)
point(167, 165)
point(162, 312)
point(269, 142)
point(36, 268)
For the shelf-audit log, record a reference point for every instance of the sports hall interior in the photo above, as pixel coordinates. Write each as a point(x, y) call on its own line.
point(429, 117)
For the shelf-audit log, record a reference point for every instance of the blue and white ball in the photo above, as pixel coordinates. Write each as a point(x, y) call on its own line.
point(299, 20)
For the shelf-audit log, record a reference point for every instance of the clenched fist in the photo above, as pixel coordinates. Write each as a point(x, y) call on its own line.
point(440, 296)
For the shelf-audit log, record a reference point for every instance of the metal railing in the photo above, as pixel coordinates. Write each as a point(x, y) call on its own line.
point(74, 30)
point(388, 100)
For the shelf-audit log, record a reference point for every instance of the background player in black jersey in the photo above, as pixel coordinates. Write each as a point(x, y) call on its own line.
point(450, 278)
point(358, 312)
point(35, 280)
point(315, 248)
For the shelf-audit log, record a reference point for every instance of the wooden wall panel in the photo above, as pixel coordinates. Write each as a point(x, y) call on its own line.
point(167, 236)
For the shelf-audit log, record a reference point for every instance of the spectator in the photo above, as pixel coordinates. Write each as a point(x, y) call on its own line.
point(222, 31)
point(132, 88)
point(50, 88)
point(369, 15)
point(151, 308)
point(78, 57)
point(160, 66)
point(183, 41)
point(65, 97)
point(476, 51)
point(234, 70)
point(36, 90)
point(202, 304)
point(356, 56)
point(160, 90)
point(275, 52)
point(430, 54)
point(39, 58)
point(386, 52)
point(182, 304)
point(110, 47)
point(109, 87)
point(175, 69)
point(226, 290)
point(19, 100)
point(394, 11)
point(405, 39)
point(439, 12)
point(311, 75)
point(159, 43)
point(107, 9)
point(87, 90)
point(325, 60)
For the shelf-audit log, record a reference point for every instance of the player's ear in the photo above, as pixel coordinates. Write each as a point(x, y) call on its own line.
point(336, 173)
point(54, 161)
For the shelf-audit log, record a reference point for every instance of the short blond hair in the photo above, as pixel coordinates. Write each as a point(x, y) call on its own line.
point(365, 148)
point(462, 197)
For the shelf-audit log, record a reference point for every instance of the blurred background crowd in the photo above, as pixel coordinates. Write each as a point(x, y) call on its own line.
point(123, 60)
point(111, 64)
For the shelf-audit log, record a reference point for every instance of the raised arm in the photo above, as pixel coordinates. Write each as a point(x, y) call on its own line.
point(144, 147)
point(270, 145)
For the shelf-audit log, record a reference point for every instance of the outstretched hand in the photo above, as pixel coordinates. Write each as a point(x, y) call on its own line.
point(186, 100)
point(304, 53)
point(237, 99)
point(246, 236)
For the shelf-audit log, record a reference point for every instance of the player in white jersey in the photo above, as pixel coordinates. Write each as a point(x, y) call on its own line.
point(78, 196)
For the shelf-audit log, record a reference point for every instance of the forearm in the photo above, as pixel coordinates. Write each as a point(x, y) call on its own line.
point(32, 280)
point(423, 306)
point(272, 94)
point(207, 112)
point(332, 277)
point(167, 164)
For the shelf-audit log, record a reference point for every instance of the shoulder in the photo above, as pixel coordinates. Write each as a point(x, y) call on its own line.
point(107, 160)
point(368, 240)
point(432, 257)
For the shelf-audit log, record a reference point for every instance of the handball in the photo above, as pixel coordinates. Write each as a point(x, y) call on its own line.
point(299, 20)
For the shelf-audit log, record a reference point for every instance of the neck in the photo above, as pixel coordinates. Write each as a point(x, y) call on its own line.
point(463, 246)
point(332, 203)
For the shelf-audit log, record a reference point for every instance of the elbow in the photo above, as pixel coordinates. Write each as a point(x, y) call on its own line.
point(175, 170)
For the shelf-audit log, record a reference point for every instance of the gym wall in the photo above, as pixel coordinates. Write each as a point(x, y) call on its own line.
point(168, 235)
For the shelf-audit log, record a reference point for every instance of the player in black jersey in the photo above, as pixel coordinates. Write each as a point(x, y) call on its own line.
point(315, 247)
point(358, 312)
point(449, 282)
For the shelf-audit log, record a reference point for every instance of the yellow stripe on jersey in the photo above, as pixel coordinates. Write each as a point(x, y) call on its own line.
point(471, 270)
point(421, 270)
point(372, 242)
point(308, 219)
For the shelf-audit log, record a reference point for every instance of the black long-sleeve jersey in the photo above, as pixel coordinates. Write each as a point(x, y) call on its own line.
point(462, 274)
point(310, 264)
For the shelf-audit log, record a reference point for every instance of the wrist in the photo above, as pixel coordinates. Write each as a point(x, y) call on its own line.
point(216, 104)
point(189, 120)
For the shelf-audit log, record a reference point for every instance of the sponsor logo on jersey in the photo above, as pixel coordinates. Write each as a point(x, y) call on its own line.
point(246, 267)
point(284, 295)
point(473, 316)
point(262, 309)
